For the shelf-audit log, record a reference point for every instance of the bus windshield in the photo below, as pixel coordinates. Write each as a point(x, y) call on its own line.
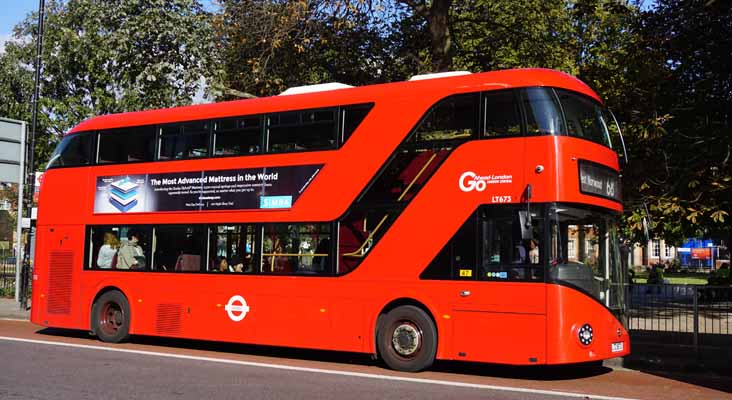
point(585, 253)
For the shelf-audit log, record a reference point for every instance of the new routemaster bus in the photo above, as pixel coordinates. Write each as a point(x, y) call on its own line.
point(461, 217)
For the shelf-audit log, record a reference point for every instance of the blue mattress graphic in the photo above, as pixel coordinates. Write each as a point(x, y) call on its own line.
point(123, 207)
point(123, 194)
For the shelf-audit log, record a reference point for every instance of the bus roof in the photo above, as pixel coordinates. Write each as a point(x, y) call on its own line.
point(504, 79)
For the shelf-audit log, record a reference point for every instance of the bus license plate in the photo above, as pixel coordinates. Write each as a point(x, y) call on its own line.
point(617, 347)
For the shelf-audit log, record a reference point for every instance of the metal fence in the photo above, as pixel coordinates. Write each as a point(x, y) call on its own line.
point(7, 276)
point(695, 315)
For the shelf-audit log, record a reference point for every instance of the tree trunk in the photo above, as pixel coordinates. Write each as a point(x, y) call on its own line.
point(439, 26)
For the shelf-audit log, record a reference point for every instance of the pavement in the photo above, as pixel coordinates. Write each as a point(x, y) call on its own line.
point(10, 309)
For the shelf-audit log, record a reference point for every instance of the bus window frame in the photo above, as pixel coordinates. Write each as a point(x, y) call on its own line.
point(99, 134)
point(257, 256)
point(92, 156)
point(340, 141)
point(336, 134)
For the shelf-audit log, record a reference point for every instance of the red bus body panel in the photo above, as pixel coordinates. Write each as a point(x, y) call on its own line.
point(502, 322)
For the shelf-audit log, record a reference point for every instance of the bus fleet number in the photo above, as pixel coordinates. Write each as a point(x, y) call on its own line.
point(500, 199)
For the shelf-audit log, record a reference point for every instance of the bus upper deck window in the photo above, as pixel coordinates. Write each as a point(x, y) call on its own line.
point(74, 149)
point(126, 145)
point(585, 117)
point(352, 116)
point(302, 130)
point(185, 140)
point(237, 136)
point(452, 118)
point(502, 113)
point(543, 115)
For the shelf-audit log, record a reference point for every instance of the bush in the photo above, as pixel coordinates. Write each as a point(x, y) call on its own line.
point(7, 291)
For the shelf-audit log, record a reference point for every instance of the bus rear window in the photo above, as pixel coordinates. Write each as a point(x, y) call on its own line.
point(127, 145)
point(584, 118)
point(73, 150)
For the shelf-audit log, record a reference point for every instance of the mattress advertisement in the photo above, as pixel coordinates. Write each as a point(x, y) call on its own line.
point(233, 189)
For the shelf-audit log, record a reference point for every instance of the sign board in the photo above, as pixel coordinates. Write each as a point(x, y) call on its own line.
point(232, 189)
point(599, 180)
point(704, 253)
point(11, 149)
point(37, 187)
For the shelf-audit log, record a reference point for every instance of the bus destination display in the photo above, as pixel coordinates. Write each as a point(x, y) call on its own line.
point(233, 189)
point(599, 180)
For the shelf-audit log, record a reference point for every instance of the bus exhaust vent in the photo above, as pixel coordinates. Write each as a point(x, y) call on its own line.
point(60, 265)
point(168, 318)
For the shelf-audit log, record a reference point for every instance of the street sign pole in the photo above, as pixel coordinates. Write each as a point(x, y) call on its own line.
point(19, 240)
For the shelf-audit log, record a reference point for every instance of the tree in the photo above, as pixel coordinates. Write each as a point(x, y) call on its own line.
point(112, 56)
point(492, 35)
point(683, 150)
point(267, 46)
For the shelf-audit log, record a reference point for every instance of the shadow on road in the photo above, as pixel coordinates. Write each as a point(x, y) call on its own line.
point(707, 380)
point(540, 373)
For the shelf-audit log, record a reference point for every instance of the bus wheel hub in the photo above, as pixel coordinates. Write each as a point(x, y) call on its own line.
point(406, 339)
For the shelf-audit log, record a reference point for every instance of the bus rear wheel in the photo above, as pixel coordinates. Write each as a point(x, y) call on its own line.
point(111, 317)
point(407, 339)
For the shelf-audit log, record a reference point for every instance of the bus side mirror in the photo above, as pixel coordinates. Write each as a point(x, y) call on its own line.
point(624, 155)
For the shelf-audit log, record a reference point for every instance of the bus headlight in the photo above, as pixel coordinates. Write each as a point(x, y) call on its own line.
point(585, 334)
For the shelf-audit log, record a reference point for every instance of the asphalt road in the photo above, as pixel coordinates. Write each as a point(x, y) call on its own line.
point(37, 363)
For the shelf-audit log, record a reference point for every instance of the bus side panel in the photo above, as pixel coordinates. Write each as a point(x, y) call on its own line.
point(499, 322)
point(61, 258)
point(568, 310)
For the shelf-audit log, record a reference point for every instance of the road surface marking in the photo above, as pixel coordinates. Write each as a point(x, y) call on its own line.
point(322, 371)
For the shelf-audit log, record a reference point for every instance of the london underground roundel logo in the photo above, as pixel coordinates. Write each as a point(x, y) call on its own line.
point(237, 308)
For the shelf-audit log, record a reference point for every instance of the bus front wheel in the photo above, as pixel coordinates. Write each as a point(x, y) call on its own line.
point(111, 317)
point(407, 339)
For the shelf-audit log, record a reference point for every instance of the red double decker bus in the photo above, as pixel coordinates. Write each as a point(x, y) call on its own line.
point(464, 217)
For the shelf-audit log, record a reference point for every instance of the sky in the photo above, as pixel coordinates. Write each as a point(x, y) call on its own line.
point(13, 11)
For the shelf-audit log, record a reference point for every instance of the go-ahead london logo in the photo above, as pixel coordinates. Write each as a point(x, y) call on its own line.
point(470, 181)
point(237, 308)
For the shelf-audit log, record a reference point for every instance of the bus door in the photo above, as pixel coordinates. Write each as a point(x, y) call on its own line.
point(500, 315)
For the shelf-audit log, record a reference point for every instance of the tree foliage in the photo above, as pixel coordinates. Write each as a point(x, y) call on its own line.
point(267, 46)
point(103, 57)
point(680, 120)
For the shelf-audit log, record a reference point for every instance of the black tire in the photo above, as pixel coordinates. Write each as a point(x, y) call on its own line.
point(407, 339)
point(111, 317)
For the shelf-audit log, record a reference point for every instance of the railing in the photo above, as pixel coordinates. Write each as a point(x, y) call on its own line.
point(7, 276)
point(694, 315)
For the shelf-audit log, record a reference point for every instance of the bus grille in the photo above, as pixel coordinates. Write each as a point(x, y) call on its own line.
point(60, 265)
point(168, 319)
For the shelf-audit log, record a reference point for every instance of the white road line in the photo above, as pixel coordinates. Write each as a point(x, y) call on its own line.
point(15, 319)
point(322, 371)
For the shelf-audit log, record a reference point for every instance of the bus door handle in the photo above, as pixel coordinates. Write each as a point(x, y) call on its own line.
point(465, 293)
